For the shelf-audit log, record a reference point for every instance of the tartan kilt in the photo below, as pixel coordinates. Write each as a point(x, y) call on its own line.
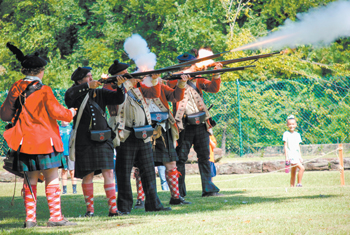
point(94, 157)
point(37, 162)
point(164, 153)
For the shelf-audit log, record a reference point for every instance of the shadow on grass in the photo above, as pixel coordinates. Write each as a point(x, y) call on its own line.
point(230, 201)
point(73, 207)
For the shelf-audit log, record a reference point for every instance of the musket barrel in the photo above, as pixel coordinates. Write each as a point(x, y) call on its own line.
point(254, 57)
point(188, 63)
point(193, 74)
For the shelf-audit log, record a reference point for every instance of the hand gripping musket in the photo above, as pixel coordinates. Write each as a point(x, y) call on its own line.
point(195, 74)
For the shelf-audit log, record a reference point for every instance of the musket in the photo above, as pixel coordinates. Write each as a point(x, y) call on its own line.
point(113, 78)
point(172, 76)
point(254, 57)
point(224, 62)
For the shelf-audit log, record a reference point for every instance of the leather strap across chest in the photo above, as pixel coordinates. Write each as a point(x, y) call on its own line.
point(183, 103)
point(136, 92)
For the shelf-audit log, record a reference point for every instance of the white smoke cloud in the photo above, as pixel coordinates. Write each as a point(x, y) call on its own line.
point(319, 26)
point(137, 49)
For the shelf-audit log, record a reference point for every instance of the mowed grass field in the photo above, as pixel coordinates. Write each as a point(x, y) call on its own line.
point(253, 204)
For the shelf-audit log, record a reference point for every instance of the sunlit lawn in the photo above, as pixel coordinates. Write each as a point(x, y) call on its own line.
point(253, 204)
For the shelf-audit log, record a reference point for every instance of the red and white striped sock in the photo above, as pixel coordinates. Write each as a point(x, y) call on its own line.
point(88, 191)
point(53, 196)
point(29, 203)
point(140, 192)
point(110, 193)
point(172, 177)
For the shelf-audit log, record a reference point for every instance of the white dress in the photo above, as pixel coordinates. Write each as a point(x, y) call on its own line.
point(293, 149)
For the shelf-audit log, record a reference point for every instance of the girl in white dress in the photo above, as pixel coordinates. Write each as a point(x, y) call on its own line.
point(292, 152)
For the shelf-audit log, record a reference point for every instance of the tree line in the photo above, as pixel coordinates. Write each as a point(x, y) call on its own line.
point(72, 33)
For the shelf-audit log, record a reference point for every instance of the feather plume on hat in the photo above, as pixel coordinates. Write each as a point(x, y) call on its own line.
point(28, 61)
point(19, 54)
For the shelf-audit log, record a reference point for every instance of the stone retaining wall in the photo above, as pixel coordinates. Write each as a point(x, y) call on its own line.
point(277, 151)
point(326, 164)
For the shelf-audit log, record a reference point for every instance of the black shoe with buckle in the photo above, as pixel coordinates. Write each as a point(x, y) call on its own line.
point(212, 194)
point(29, 224)
point(139, 204)
point(63, 222)
point(117, 213)
point(178, 201)
point(89, 214)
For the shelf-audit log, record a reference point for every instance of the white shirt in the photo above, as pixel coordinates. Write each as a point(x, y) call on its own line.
point(191, 106)
point(293, 149)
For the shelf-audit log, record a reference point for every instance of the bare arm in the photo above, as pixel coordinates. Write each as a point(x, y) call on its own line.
point(285, 151)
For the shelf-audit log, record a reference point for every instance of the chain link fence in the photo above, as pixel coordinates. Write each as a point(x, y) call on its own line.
point(251, 116)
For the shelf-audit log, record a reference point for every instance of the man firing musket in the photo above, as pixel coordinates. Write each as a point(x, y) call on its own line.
point(199, 67)
point(192, 118)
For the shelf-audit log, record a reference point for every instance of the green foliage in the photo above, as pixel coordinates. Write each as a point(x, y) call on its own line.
point(320, 106)
point(71, 33)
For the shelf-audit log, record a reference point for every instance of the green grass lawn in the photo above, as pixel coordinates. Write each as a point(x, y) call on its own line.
point(253, 204)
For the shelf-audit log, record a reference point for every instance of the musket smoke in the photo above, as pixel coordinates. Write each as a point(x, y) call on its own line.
point(137, 49)
point(319, 26)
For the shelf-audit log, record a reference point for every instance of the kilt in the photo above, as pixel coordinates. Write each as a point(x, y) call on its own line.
point(37, 162)
point(94, 157)
point(135, 151)
point(164, 153)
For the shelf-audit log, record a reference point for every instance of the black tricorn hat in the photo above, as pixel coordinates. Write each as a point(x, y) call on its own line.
point(117, 67)
point(185, 57)
point(80, 73)
point(28, 61)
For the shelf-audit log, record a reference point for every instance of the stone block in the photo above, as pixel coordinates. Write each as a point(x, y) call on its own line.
point(192, 156)
point(317, 165)
point(270, 166)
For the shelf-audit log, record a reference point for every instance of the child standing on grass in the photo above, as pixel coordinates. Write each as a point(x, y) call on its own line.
point(292, 152)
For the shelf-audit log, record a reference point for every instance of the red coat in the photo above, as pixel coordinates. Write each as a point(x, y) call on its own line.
point(202, 84)
point(169, 94)
point(37, 124)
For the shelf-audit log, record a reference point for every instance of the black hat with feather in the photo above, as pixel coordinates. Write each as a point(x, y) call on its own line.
point(28, 61)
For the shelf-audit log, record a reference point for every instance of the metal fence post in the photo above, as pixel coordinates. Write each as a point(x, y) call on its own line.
point(239, 122)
